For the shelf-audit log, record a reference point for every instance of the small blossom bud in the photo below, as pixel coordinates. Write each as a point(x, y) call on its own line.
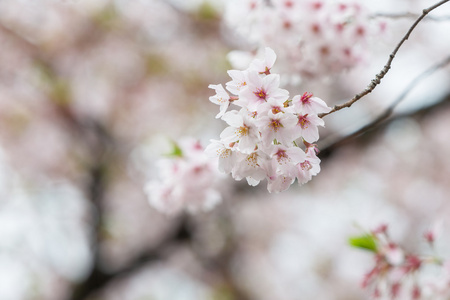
point(429, 237)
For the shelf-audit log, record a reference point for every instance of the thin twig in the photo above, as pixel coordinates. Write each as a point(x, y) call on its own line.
point(389, 111)
point(408, 16)
point(386, 68)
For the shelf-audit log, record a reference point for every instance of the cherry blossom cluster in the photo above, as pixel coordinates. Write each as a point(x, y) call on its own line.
point(312, 38)
point(188, 180)
point(267, 129)
point(398, 274)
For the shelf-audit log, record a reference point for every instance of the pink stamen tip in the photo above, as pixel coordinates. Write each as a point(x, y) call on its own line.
point(413, 263)
point(306, 97)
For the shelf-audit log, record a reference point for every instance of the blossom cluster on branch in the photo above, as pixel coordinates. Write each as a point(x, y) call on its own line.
point(267, 129)
point(400, 274)
point(188, 180)
point(313, 38)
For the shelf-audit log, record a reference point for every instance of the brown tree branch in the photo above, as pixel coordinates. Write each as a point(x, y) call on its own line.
point(408, 16)
point(182, 233)
point(389, 110)
point(103, 147)
point(99, 279)
point(376, 81)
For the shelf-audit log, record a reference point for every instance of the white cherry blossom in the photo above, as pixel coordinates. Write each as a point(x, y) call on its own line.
point(238, 82)
point(308, 104)
point(276, 182)
point(277, 127)
point(308, 168)
point(260, 89)
point(287, 158)
point(313, 38)
point(221, 98)
point(273, 105)
point(266, 64)
point(267, 131)
point(187, 181)
point(307, 127)
point(242, 130)
point(249, 166)
point(226, 155)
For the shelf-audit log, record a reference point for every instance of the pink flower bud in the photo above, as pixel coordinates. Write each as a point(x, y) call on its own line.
point(395, 290)
point(416, 293)
point(381, 229)
point(429, 236)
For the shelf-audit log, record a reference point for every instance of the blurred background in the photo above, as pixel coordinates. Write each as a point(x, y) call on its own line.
point(92, 92)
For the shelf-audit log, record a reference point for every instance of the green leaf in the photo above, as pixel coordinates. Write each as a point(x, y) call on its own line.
point(176, 150)
point(366, 241)
point(206, 11)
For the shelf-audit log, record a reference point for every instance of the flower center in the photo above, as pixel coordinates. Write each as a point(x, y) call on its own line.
point(275, 124)
point(276, 110)
point(306, 165)
point(241, 84)
point(288, 3)
point(315, 28)
point(252, 160)
point(242, 131)
point(287, 25)
point(282, 157)
point(303, 121)
point(260, 93)
point(225, 153)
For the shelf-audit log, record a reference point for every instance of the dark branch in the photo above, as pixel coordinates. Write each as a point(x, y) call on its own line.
point(387, 67)
point(389, 111)
point(327, 151)
point(99, 279)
